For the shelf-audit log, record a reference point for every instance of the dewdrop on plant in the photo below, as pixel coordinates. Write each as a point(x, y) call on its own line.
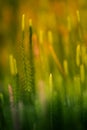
point(82, 73)
point(23, 22)
point(78, 55)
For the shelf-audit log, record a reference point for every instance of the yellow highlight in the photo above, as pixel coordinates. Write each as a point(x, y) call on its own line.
point(83, 53)
point(23, 22)
point(86, 59)
point(30, 22)
point(50, 38)
point(65, 64)
point(78, 55)
point(11, 60)
point(15, 66)
point(78, 15)
point(50, 82)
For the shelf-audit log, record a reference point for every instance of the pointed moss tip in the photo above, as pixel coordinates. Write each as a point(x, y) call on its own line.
point(23, 22)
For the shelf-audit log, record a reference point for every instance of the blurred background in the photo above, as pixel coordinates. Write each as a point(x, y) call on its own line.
point(43, 66)
point(47, 14)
